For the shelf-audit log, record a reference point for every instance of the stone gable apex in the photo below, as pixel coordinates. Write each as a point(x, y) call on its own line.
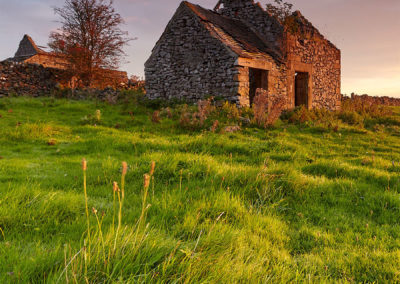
point(249, 41)
point(27, 47)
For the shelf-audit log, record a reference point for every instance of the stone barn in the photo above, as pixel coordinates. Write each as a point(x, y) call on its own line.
point(30, 53)
point(239, 47)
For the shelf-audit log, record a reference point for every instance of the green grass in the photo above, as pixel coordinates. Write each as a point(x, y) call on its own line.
point(290, 204)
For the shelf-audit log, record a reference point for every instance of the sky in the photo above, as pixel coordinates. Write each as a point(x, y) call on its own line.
point(367, 32)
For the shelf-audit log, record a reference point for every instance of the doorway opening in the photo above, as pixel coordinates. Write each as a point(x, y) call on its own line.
point(301, 89)
point(258, 78)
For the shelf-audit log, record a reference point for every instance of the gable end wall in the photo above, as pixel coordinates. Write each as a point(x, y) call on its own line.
point(188, 63)
point(324, 65)
point(258, 20)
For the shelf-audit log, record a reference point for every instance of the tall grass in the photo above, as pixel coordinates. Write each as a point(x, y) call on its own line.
point(104, 249)
point(293, 203)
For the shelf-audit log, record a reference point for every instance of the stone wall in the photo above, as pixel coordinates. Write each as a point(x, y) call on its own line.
point(277, 78)
point(201, 54)
point(307, 52)
point(387, 101)
point(29, 79)
point(311, 52)
point(48, 60)
point(187, 63)
point(256, 18)
point(34, 79)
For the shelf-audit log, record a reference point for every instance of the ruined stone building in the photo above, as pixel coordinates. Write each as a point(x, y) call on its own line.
point(239, 47)
point(28, 52)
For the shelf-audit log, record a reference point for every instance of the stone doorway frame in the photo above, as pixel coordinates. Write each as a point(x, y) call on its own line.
point(244, 77)
point(258, 79)
point(298, 67)
point(301, 92)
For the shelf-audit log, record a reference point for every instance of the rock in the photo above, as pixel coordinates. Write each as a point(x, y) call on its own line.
point(232, 129)
point(244, 120)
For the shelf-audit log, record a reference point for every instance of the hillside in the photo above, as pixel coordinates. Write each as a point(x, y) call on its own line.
point(297, 202)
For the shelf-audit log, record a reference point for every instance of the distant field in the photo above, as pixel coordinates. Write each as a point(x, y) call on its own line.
point(294, 203)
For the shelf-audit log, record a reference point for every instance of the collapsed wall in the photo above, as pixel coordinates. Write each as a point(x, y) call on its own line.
point(34, 79)
point(29, 79)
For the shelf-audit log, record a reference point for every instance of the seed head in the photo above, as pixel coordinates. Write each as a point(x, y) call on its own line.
point(124, 168)
point(84, 164)
point(94, 210)
point(115, 186)
point(153, 167)
point(146, 181)
point(98, 115)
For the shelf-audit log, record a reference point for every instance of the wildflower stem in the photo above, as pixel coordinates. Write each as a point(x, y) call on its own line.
point(101, 236)
point(84, 168)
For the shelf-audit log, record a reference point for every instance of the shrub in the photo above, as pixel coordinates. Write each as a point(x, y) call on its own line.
point(215, 126)
point(267, 108)
point(231, 111)
point(246, 112)
point(276, 105)
point(197, 119)
point(204, 110)
point(260, 107)
point(167, 112)
point(299, 115)
point(155, 118)
point(365, 108)
point(351, 117)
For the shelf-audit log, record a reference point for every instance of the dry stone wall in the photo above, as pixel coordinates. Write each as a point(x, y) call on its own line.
point(28, 79)
point(192, 60)
point(187, 63)
point(255, 17)
point(308, 52)
point(35, 80)
point(325, 60)
point(47, 60)
point(387, 101)
point(277, 81)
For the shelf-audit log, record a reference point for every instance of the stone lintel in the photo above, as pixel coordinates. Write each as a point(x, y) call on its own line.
point(254, 63)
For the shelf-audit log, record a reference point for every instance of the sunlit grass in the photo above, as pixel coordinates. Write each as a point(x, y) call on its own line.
point(289, 204)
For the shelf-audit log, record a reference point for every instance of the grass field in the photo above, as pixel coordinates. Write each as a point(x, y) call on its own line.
point(294, 203)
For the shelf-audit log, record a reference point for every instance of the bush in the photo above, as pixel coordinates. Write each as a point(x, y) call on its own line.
point(276, 105)
point(260, 108)
point(155, 118)
point(365, 108)
point(267, 108)
point(231, 111)
point(351, 118)
point(299, 115)
point(197, 119)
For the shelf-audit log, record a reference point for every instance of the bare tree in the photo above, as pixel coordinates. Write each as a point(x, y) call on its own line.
point(90, 37)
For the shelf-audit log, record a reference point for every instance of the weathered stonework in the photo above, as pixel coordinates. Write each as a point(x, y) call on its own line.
point(36, 80)
point(370, 100)
point(237, 48)
point(29, 79)
point(188, 63)
point(29, 53)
